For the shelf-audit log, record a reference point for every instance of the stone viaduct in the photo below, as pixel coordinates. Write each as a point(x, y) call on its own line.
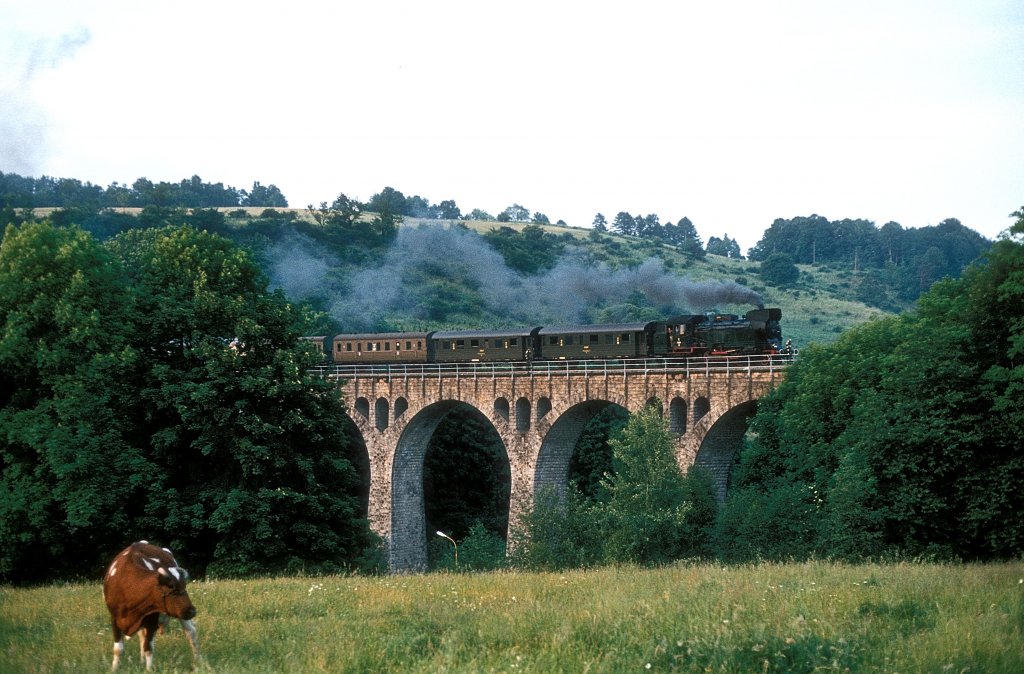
point(539, 411)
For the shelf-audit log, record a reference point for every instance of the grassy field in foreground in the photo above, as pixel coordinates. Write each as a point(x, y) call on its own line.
point(690, 618)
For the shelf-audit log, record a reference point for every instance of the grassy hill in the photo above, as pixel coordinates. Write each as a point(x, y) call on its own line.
point(427, 279)
point(817, 308)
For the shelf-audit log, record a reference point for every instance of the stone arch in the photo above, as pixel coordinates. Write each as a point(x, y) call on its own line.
point(722, 444)
point(401, 405)
point(701, 406)
point(552, 468)
point(362, 407)
point(407, 550)
point(677, 416)
point(358, 454)
point(543, 407)
point(501, 408)
point(380, 414)
point(522, 415)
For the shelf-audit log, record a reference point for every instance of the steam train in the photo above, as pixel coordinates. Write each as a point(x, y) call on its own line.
point(757, 332)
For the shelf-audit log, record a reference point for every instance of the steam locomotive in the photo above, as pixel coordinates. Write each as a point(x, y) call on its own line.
point(757, 332)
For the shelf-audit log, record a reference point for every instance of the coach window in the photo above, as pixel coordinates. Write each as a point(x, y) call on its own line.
point(408, 346)
point(460, 344)
point(595, 339)
point(475, 343)
point(609, 339)
point(387, 346)
point(446, 345)
point(348, 346)
point(513, 342)
point(553, 341)
point(625, 338)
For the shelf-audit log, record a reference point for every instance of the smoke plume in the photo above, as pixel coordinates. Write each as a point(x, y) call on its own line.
point(575, 291)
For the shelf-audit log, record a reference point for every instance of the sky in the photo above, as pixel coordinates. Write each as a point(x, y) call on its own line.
point(731, 114)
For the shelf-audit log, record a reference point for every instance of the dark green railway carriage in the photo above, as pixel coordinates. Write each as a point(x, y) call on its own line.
point(484, 345)
point(382, 347)
point(614, 340)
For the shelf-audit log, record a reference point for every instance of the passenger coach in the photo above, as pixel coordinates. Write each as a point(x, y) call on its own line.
point(484, 346)
point(612, 340)
point(382, 347)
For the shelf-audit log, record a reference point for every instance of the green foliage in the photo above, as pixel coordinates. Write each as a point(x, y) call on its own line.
point(480, 550)
point(912, 259)
point(559, 532)
point(725, 247)
point(903, 438)
point(592, 456)
point(154, 389)
point(644, 516)
point(530, 250)
point(793, 618)
point(64, 358)
point(466, 478)
point(778, 269)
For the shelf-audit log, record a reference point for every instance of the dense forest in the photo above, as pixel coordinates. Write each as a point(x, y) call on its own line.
point(151, 358)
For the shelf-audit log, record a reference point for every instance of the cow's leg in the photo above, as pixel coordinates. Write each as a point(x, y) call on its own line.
point(149, 627)
point(193, 637)
point(118, 644)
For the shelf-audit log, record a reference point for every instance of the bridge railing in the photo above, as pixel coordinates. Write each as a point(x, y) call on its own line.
point(562, 368)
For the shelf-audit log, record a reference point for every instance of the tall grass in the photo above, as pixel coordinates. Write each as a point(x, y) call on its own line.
point(687, 618)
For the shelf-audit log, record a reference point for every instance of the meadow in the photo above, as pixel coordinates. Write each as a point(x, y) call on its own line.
point(810, 617)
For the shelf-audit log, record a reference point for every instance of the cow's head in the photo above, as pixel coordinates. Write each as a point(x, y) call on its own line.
point(175, 601)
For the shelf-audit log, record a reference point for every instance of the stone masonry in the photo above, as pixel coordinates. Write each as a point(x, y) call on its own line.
point(539, 418)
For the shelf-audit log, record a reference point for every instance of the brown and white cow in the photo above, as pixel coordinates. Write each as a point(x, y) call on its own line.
point(142, 584)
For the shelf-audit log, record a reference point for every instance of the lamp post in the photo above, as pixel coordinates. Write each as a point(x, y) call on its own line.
point(444, 535)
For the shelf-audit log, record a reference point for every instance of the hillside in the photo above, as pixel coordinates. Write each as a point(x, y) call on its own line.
point(442, 281)
point(450, 274)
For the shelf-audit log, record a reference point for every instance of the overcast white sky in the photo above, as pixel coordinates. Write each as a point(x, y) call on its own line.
point(730, 113)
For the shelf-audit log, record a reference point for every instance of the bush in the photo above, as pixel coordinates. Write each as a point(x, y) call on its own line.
point(558, 533)
point(779, 270)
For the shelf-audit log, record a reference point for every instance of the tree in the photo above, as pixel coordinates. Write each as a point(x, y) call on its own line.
point(514, 213)
point(342, 212)
point(624, 224)
point(644, 516)
point(902, 438)
point(778, 269)
point(448, 210)
point(600, 223)
point(684, 236)
point(477, 214)
point(389, 202)
point(65, 361)
point(252, 466)
point(268, 197)
point(725, 247)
